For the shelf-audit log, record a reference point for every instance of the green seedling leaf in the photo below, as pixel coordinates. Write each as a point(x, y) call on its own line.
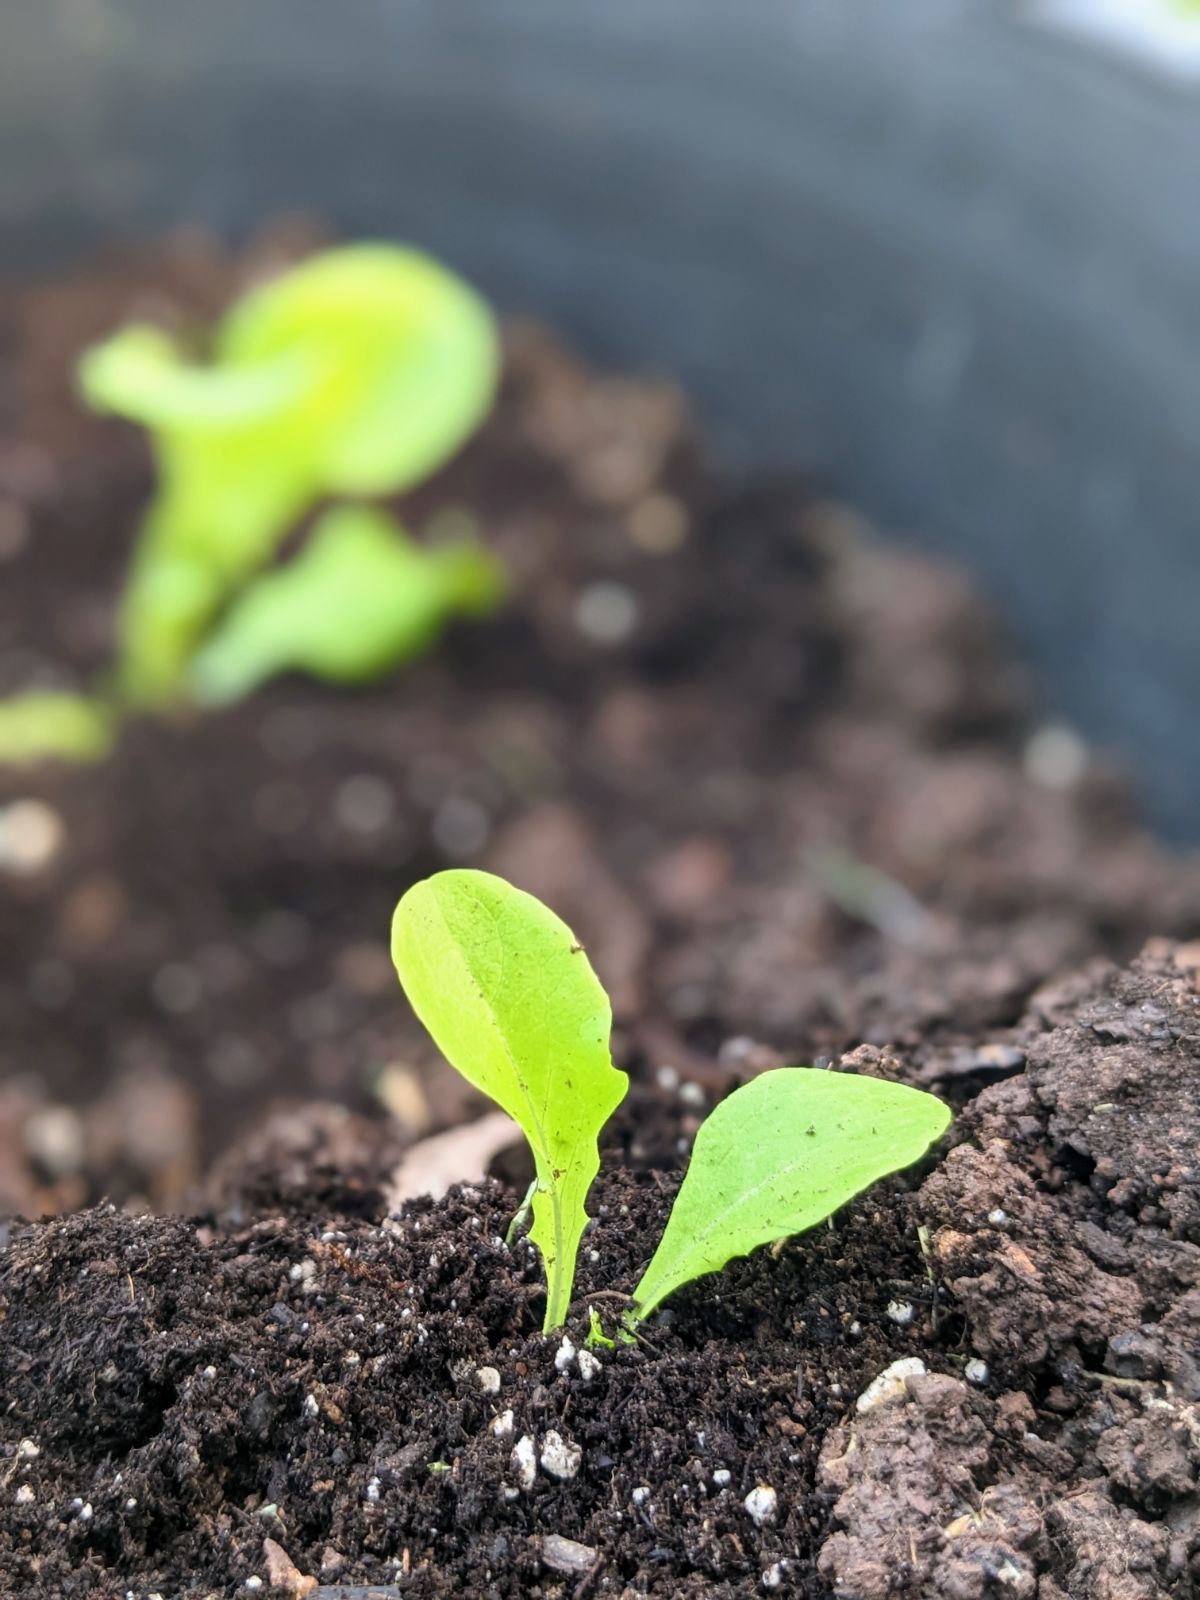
point(511, 1000)
point(597, 1339)
point(358, 372)
point(412, 359)
point(49, 726)
point(360, 599)
point(781, 1154)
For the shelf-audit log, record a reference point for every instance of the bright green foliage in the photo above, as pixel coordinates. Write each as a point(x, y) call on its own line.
point(781, 1154)
point(359, 372)
point(362, 597)
point(511, 1001)
point(46, 725)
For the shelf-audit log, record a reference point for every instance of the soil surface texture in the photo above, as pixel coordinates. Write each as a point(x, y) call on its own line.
point(334, 1401)
point(792, 792)
point(787, 785)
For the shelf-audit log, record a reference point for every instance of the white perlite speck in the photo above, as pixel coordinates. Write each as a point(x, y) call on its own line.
point(253, 1582)
point(772, 1578)
point(24, 1496)
point(641, 1494)
point(762, 1503)
point(27, 1450)
point(901, 1312)
point(524, 1462)
point(560, 1458)
point(564, 1356)
point(501, 1427)
point(589, 1366)
point(722, 1477)
point(976, 1371)
point(889, 1385)
point(373, 1490)
point(488, 1380)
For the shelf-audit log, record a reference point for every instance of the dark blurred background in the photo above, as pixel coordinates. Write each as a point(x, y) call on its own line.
point(939, 255)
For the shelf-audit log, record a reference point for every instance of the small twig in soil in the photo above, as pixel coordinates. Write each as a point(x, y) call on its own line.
point(927, 1252)
point(588, 1582)
point(604, 1294)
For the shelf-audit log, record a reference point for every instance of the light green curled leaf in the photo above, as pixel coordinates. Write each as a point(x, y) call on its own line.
point(413, 359)
point(46, 725)
point(360, 371)
point(781, 1154)
point(511, 1000)
point(361, 598)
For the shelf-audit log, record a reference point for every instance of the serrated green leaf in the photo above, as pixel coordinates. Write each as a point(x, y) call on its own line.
point(511, 1000)
point(781, 1154)
point(361, 598)
point(46, 725)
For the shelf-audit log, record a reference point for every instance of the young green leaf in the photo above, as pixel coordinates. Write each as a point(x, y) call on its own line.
point(360, 371)
point(511, 1001)
point(412, 353)
point(361, 598)
point(781, 1154)
point(45, 725)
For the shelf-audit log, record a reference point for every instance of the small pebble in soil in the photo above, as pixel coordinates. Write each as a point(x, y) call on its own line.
point(772, 1578)
point(560, 1458)
point(641, 1494)
point(364, 804)
point(566, 1555)
point(488, 1380)
point(24, 1496)
point(722, 1477)
point(524, 1462)
point(461, 827)
point(889, 1385)
point(373, 1491)
point(31, 836)
point(28, 1450)
point(177, 988)
point(658, 524)
point(501, 1427)
point(54, 1137)
point(901, 1312)
point(997, 1218)
point(253, 1582)
point(1055, 757)
point(977, 1371)
point(606, 612)
point(762, 1504)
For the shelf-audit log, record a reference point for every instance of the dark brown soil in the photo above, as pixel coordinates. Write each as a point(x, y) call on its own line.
point(699, 796)
point(303, 1398)
point(791, 791)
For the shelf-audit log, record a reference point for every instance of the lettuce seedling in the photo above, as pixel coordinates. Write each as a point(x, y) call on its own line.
point(778, 1156)
point(358, 373)
point(511, 1000)
point(360, 598)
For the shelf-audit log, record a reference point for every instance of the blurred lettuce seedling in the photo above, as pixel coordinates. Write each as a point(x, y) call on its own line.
point(356, 374)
